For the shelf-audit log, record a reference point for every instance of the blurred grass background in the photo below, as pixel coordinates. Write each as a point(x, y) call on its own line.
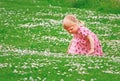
point(105, 6)
point(108, 6)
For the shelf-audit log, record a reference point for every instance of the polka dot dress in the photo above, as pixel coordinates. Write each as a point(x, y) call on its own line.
point(81, 45)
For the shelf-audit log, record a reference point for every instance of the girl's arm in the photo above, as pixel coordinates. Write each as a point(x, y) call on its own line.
point(91, 44)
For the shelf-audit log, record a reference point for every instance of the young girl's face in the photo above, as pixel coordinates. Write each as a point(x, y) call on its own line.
point(71, 27)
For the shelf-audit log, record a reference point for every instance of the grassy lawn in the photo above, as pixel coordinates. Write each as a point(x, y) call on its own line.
point(33, 44)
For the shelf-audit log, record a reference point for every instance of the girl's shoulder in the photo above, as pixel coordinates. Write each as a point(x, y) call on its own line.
point(84, 31)
point(83, 28)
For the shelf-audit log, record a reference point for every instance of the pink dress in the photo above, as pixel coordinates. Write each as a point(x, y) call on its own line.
point(81, 45)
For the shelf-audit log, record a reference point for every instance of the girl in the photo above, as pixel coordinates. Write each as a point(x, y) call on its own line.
point(84, 41)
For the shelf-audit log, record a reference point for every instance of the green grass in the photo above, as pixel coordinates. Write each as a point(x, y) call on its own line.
point(33, 43)
point(107, 6)
point(104, 6)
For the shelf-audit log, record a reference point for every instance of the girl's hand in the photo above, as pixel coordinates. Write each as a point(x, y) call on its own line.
point(91, 51)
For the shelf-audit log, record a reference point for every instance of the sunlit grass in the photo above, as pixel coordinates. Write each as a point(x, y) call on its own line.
point(33, 45)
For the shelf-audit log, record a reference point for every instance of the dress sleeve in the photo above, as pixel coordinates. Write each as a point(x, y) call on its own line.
point(84, 31)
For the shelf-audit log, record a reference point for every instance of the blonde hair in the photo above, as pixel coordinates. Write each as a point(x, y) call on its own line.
point(73, 19)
